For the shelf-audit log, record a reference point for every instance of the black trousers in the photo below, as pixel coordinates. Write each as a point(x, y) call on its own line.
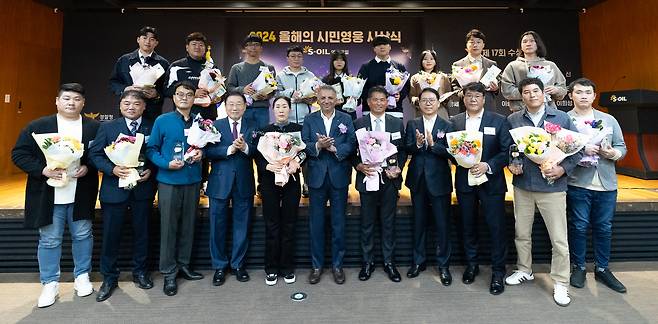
point(492, 208)
point(113, 219)
point(426, 205)
point(380, 204)
point(280, 209)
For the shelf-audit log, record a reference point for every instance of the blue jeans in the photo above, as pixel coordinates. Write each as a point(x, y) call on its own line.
point(258, 117)
point(587, 208)
point(50, 244)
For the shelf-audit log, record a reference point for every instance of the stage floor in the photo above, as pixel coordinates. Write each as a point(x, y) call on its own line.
point(631, 190)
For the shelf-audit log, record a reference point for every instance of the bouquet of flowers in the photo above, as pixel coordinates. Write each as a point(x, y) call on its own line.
point(597, 132)
point(352, 88)
point(213, 81)
point(566, 141)
point(395, 81)
point(124, 152)
point(374, 148)
point(429, 80)
point(145, 75)
point(201, 133)
point(466, 74)
point(308, 87)
point(543, 73)
point(280, 148)
point(60, 153)
point(466, 148)
point(264, 84)
point(534, 143)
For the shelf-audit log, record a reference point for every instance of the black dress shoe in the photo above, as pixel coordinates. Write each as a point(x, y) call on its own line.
point(608, 279)
point(143, 281)
point(170, 286)
point(392, 272)
point(415, 270)
point(469, 274)
point(497, 285)
point(339, 276)
point(314, 276)
point(188, 274)
point(241, 274)
point(577, 278)
point(219, 278)
point(366, 271)
point(106, 290)
point(445, 276)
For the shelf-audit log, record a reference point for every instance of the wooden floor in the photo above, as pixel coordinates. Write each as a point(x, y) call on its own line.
point(12, 192)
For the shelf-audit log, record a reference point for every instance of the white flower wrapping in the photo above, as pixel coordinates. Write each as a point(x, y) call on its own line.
point(145, 76)
point(126, 154)
point(353, 87)
point(199, 137)
point(267, 146)
point(211, 80)
point(374, 148)
point(429, 80)
point(466, 74)
point(395, 81)
point(520, 133)
point(543, 73)
point(468, 160)
point(308, 87)
point(60, 155)
point(264, 84)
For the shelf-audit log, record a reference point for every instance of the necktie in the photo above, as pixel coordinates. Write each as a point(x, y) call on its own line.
point(133, 127)
point(378, 125)
point(235, 130)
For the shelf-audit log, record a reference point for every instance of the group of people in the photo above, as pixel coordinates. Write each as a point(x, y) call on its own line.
point(586, 194)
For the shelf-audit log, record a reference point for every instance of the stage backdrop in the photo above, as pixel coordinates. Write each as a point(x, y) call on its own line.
point(93, 42)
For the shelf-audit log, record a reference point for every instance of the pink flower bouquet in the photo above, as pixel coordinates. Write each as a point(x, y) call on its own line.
point(201, 133)
point(374, 148)
point(280, 148)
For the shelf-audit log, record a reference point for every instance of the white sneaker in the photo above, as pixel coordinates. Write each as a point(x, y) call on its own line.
point(518, 277)
point(271, 279)
point(82, 285)
point(49, 294)
point(290, 278)
point(561, 294)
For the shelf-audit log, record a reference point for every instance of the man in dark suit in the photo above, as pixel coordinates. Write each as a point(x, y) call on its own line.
point(430, 181)
point(474, 46)
point(49, 209)
point(374, 71)
point(115, 200)
point(231, 181)
point(145, 55)
point(383, 202)
point(488, 197)
point(330, 140)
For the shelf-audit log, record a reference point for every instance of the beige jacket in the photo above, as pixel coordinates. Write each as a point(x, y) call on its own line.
point(517, 70)
point(414, 92)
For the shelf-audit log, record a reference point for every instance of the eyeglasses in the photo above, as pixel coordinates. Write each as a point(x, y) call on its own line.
point(474, 96)
point(427, 101)
point(184, 95)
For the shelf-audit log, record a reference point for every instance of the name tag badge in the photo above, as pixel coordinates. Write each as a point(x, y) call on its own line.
point(489, 131)
point(395, 136)
point(146, 138)
point(187, 132)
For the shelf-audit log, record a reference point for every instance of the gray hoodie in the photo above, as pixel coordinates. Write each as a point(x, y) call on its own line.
point(289, 82)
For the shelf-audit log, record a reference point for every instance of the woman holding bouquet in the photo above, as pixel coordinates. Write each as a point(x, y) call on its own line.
point(429, 76)
point(531, 63)
point(338, 69)
point(280, 202)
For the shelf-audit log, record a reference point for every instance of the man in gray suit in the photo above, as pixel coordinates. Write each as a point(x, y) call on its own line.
point(474, 46)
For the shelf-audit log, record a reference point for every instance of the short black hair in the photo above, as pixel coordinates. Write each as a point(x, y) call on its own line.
point(252, 38)
point(432, 90)
point(475, 87)
point(585, 82)
point(528, 81)
point(381, 40)
point(436, 60)
point(475, 33)
point(185, 84)
point(71, 87)
point(234, 93)
point(541, 48)
point(294, 48)
point(133, 93)
point(148, 29)
point(196, 36)
point(377, 89)
point(277, 98)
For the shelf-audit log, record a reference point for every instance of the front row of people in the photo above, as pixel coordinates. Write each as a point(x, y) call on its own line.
point(586, 193)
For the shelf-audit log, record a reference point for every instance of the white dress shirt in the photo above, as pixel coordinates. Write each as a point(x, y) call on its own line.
point(128, 121)
point(387, 60)
point(473, 122)
point(231, 149)
point(382, 123)
point(428, 124)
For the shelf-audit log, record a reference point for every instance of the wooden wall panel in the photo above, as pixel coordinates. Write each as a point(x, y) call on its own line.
point(31, 38)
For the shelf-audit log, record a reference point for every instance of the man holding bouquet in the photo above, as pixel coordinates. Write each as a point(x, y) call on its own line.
point(231, 181)
point(532, 188)
point(381, 203)
point(289, 81)
point(115, 200)
point(329, 138)
point(488, 197)
point(72, 202)
point(592, 193)
point(147, 61)
point(375, 73)
point(178, 187)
